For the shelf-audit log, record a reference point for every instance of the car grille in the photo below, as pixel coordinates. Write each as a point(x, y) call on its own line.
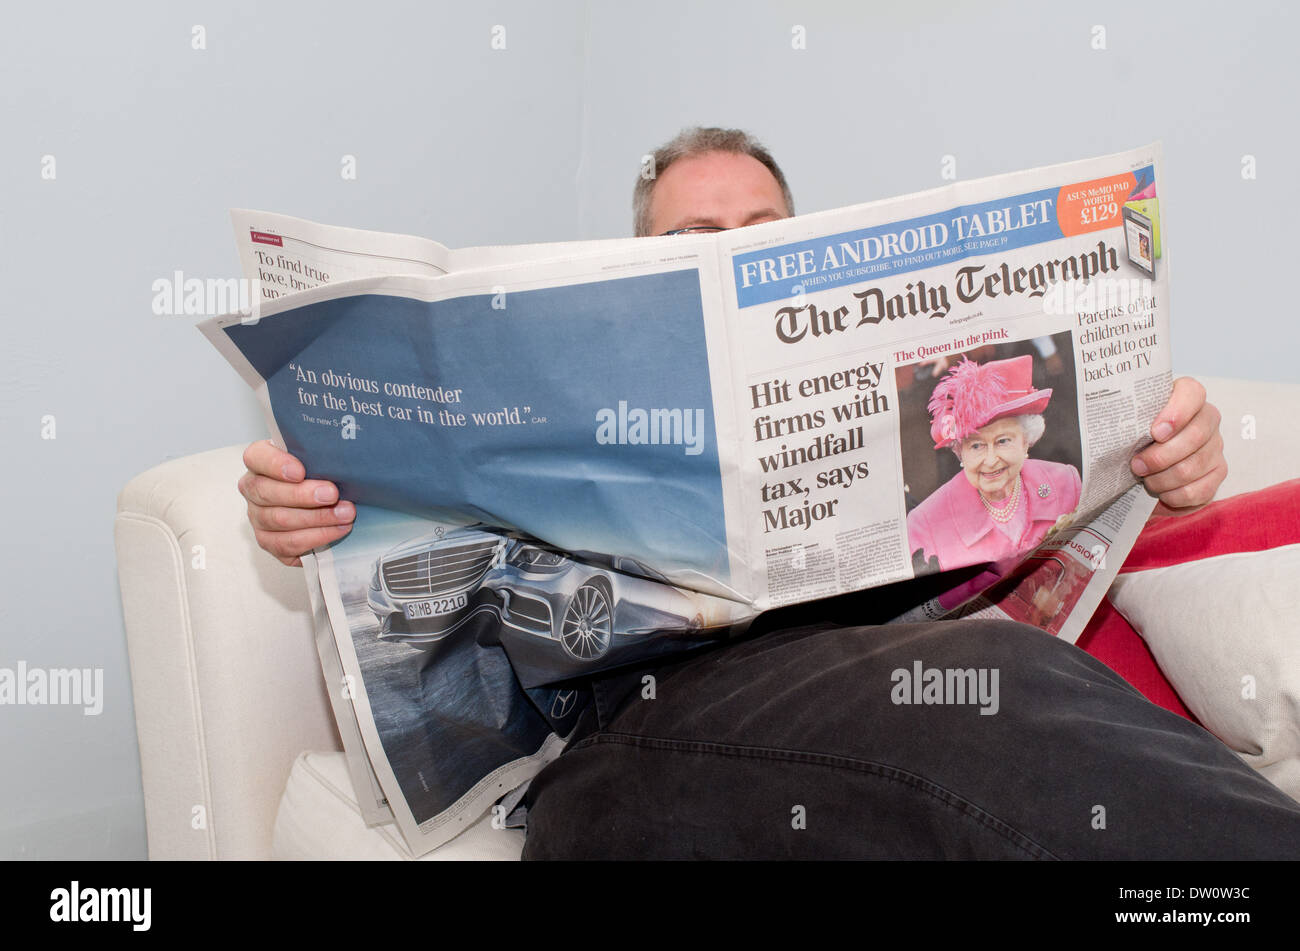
point(440, 571)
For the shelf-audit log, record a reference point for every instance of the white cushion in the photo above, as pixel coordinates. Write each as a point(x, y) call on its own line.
point(1224, 632)
point(319, 819)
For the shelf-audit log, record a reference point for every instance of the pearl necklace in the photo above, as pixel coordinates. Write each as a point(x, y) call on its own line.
point(1006, 513)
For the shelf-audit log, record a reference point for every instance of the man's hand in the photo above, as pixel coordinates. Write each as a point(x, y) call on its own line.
point(1185, 467)
point(290, 516)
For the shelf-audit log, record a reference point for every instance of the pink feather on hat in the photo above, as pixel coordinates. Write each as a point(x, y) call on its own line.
point(972, 395)
point(966, 395)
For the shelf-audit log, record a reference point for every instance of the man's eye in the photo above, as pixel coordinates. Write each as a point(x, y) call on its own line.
point(694, 229)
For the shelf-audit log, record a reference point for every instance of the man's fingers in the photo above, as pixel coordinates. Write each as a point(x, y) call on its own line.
point(1195, 435)
point(1189, 497)
point(290, 514)
point(288, 546)
point(1185, 402)
point(1188, 469)
point(261, 490)
point(1185, 466)
point(284, 518)
point(268, 460)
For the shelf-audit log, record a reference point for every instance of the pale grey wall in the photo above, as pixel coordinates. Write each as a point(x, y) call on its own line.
point(885, 90)
point(154, 141)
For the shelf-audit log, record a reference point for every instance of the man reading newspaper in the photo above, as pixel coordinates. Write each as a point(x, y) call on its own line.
point(775, 746)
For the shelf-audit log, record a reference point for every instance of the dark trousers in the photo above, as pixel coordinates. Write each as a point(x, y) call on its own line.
point(794, 745)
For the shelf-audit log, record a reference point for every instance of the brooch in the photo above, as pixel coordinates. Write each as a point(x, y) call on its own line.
point(1044, 490)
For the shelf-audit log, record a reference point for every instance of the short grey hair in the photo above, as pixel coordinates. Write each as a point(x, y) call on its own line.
point(691, 142)
point(1031, 424)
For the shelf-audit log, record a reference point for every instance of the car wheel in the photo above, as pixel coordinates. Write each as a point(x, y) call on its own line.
point(586, 631)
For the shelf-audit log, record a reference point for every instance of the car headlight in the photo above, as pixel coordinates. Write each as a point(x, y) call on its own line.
point(532, 558)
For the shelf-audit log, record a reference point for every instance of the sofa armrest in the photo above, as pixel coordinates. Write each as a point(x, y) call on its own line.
point(1260, 429)
point(224, 672)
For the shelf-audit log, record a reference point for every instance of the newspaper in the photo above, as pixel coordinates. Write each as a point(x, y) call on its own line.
point(573, 457)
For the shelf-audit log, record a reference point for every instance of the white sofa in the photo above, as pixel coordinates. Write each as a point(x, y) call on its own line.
point(238, 750)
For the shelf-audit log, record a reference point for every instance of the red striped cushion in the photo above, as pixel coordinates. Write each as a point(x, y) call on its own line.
point(1251, 522)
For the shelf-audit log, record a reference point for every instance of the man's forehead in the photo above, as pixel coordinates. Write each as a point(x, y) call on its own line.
point(727, 187)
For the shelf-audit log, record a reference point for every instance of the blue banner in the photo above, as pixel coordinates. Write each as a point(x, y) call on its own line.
point(582, 415)
point(854, 257)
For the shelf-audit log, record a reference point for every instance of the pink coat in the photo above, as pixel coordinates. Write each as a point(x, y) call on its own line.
point(953, 525)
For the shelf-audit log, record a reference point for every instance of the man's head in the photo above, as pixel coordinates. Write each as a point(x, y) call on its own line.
point(710, 178)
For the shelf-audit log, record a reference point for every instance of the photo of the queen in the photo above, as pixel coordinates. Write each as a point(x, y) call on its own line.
point(1002, 501)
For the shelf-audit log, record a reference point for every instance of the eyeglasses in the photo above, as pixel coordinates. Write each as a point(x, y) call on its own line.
point(694, 229)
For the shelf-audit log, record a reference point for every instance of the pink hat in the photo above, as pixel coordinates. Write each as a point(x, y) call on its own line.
point(971, 395)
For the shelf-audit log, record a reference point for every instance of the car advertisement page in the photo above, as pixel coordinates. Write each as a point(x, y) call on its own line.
point(467, 428)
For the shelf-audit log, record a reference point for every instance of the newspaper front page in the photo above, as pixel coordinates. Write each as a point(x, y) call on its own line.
point(568, 458)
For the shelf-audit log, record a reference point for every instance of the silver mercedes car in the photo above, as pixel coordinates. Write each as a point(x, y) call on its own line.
point(586, 608)
point(428, 587)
